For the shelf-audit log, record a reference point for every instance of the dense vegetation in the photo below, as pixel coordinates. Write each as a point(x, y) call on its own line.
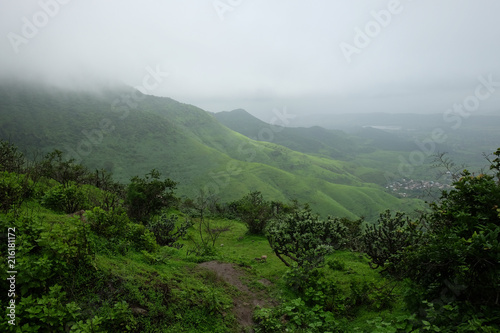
point(93, 255)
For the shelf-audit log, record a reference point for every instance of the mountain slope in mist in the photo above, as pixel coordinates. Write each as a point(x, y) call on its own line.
point(129, 134)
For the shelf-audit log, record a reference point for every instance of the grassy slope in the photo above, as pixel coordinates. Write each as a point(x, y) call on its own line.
point(189, 146)
point(178, 295)
point(314, 140)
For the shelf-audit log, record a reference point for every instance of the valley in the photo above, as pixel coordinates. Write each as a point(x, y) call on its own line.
point(160, 216)
point(337, 173)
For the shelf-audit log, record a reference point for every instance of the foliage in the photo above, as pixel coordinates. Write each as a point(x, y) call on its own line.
point(316, 288)
point(254, 211)
point(304, 238)
point(386, 241)
point(149, 195)
point(109, 201)
point(67, 199)
point(69, 280)
point(117, 319)
point(399, 324)
point(163, 228)
point(14, 189)
point(53, 311)
point(11, 159)
point(453, 267)
point(204, 243)
point(463, 247)
point(107, 223)
point(296, 316)
point(495, 164)
point(104, 180)
point(114, 232)
point(50, 310)
point(64, 171)
point(49, 251)
point(353, 233)
point(141, 237)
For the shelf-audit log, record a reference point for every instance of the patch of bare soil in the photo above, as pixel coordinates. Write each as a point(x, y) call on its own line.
point(245, 304)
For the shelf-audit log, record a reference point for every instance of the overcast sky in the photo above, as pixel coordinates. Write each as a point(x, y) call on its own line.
point(322, 56)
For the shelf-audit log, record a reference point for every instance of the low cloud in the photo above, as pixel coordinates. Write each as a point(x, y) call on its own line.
point(258, 55)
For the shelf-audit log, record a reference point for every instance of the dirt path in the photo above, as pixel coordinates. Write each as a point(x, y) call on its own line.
point(249, 299)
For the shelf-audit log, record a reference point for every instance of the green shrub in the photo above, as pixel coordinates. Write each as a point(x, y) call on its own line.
point(303, 238)
point(11, 159)
point(163, 227)
point(385, 241)
point(91, 325)
point(50, 312)
point(353, 233)
point(336, 265)
point(149, 195)
point(66, 172)
point(119, 318)
point(47, 251)
point(254, 211)
point(462, 249)
point(107, 223)
point(14, 189)
point(97, 197)
point(141, 237)
point(67, 199)
point(454, 270)
point(295, 316)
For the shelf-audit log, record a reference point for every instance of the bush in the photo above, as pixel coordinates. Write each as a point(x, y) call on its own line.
point(67, 199)
point(148, 196)
point(47, 313)
point(11, 159)
point(296, 316)
point(463, 245)
point(454, 269)
point(141, 237)
point(65, 172)
point(14, 189)
point(353, 233)
point(46, 251)
point(385, 241)
point(304, 239)
point(163, 228)
point(254, 211)
point(107, 223)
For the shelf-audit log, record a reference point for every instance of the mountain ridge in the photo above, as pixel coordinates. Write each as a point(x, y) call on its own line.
point(186, 144)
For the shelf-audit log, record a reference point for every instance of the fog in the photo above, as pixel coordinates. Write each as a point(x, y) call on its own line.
point(326, 56)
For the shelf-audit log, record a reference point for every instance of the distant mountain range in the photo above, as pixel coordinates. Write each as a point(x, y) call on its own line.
point(332, 143)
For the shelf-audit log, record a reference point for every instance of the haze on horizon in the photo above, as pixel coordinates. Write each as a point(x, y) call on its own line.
point(310, 57)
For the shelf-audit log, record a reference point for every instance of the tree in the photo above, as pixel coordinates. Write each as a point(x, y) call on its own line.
point(462, 246)
point(11, 159)
point(385, 241)
point(149, 195)
point(64, 171)
point(208, 235)
point(255, 212)
point(353, 233)
point(302, 237)
point(165, 231)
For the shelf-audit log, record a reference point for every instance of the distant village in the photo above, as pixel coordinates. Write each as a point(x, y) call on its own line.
point(411, 188)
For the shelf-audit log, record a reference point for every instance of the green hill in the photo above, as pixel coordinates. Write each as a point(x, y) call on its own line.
point(129, 134)
point(313, 140)
point(371, 152)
